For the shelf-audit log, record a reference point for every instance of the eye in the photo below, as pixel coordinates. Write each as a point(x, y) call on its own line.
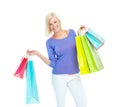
point(50, 24)
point(55, 22)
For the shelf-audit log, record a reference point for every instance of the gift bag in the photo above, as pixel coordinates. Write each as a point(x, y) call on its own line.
point(82, 61)
point(96, 55)
point(31, 85)
point(96, 40)
point(92, 56)
point(21, 68)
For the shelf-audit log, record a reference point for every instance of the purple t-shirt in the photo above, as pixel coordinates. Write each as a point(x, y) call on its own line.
point(62, 54)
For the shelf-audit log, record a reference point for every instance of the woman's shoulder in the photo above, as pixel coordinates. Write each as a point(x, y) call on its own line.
point(49, 40)
point(71, 31)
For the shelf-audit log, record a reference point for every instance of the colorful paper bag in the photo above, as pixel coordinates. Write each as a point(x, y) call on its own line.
point(96, 55)
point(32, 95)
point(21, 68)
point(92, 56)
point(88, 58)
point(96, 40)
point(82, 61)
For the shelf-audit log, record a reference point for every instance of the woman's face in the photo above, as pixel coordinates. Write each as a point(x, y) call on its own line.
point(54, 25)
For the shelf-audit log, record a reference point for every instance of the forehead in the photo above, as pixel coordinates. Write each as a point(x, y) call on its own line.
point(52, 19)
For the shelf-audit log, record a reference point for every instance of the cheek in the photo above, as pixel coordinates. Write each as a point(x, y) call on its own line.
point(50, 28)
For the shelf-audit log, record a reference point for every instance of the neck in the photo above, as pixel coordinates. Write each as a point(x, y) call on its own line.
point(60, 34)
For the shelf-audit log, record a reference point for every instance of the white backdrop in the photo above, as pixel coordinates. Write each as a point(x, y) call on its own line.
point(22, 27)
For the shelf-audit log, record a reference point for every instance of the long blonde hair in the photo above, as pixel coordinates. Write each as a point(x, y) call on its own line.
point(48, 17)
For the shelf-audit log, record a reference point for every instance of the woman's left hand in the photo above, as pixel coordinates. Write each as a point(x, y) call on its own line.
point(82, 27)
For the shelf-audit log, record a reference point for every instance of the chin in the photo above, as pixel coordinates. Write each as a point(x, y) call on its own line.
point(56, 31)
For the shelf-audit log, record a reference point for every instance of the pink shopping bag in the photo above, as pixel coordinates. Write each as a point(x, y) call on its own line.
point(21, 68)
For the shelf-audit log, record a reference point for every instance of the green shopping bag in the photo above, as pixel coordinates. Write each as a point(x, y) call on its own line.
point(31, 85)
point(92, 56)
point(96, 55)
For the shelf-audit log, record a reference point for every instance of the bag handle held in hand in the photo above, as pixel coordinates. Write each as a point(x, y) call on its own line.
point(82, 30)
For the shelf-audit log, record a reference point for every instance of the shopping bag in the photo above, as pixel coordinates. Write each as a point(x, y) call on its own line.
point(92, 56)
point(21, 68)
point(32, 95)
point(82, 61)
point(96, 40)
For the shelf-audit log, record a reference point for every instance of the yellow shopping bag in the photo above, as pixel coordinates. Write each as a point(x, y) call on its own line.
point(82, 61)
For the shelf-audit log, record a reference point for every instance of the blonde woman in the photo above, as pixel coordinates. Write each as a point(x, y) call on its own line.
point(62, 54)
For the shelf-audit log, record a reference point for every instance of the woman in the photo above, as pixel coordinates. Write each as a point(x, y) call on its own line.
point(62, 54)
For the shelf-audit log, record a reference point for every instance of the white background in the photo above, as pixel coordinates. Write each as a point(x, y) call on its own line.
point(22, 27)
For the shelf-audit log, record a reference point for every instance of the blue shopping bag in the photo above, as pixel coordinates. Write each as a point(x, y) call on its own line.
point(96, 40)
point(32, 95)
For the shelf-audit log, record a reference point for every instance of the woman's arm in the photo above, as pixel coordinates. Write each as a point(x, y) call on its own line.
point(35, 52)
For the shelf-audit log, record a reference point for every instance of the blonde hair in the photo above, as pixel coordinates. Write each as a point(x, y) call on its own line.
point(48, 17)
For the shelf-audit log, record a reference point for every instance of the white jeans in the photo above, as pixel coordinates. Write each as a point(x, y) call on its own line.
point(74, 84)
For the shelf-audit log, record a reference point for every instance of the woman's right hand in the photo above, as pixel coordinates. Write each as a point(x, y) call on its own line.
point(35, 52)
point(32, 52)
